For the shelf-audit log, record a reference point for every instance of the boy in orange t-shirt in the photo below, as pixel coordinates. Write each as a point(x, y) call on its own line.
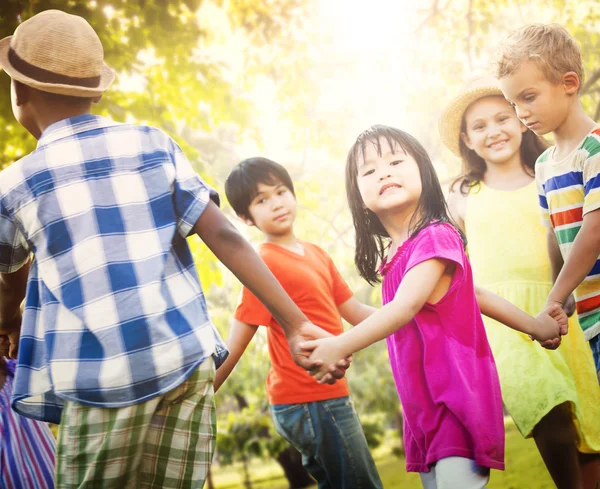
point(318, 419)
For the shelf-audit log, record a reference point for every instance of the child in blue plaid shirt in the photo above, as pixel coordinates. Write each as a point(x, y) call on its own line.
point(115, 341)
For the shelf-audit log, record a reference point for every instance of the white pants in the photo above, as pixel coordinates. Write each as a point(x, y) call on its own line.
point(455, 473)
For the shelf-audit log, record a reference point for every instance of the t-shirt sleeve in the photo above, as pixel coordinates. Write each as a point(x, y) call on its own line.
point(251, 311)
point(14, 250)
point(191, 194)
point(439, 241)
point(591, 173)
point(341, 291)
point(543, 201)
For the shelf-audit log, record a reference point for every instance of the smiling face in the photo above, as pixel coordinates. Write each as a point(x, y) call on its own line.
point(541, 105)
point(493, 130)
point(273, 210)
point(388, 180)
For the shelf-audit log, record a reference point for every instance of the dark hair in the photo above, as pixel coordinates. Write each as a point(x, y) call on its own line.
point(241, 186)
point(474, 166)
point(371, 241)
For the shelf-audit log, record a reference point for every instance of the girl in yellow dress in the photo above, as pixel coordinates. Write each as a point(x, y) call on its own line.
point(552, 395)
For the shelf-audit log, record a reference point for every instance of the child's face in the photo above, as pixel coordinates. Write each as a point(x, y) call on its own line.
point(493, 130)
point(389, 182)
point(273, 210)
point(541, 105)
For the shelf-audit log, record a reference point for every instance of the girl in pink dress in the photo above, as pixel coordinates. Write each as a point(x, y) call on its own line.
point(440, 357)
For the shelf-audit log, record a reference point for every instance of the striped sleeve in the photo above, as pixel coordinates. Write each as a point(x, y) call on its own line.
point(591, 172)
point(539, 182)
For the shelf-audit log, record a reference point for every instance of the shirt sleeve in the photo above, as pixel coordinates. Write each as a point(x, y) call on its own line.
point(251, 311)
point(591, 174)
point(14, 250)
point(543, 201)
point(191, 194)
point(437, 241)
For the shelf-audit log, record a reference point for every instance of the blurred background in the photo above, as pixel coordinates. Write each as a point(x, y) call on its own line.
point(297, 81)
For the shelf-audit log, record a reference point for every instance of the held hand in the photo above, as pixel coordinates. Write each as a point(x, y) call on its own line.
point(569, 305)
point(551, 324)
point(305, 333)
point(328, 352)
point(10, 333)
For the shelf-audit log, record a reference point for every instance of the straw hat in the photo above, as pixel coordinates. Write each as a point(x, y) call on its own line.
point(58, 53)
point(451, 119)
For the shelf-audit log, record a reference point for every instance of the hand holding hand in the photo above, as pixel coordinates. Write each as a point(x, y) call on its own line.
point(552, 323)
point(10, 333)
point(327, 351)
point(328, 373)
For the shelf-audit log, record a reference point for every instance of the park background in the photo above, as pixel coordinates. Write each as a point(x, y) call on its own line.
point(297, 81)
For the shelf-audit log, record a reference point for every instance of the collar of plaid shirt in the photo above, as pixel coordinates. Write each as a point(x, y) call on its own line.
point(114, 313)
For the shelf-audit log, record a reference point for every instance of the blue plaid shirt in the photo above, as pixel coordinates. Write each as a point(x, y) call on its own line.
point(114, 313)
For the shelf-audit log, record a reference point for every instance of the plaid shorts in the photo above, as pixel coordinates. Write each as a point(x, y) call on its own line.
point(167, 442)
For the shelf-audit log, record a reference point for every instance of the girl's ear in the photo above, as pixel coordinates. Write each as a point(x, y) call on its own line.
point(466, 140)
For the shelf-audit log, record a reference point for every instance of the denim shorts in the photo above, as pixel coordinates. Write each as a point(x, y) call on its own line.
point(330, 438)
point(595, 346)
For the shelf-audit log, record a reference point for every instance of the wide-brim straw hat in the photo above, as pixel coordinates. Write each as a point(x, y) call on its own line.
point(58, 53)
point(451, 119)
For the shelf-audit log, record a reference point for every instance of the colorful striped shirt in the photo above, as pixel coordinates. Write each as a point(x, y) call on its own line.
point(27, 447)
point(568, 189)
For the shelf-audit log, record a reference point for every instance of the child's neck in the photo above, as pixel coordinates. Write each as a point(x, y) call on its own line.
point(572, 131)
point(509, 175)
point(288, 241)
point(397, 225)
point(54, 113)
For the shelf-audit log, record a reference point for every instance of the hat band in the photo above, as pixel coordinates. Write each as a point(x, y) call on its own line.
point(47, 76)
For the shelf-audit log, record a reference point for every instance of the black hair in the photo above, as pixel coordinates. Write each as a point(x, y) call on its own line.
point(241, 186)
point(474, 166)
point(371, 237)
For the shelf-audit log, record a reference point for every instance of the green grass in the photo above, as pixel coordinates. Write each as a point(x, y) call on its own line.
point(524, 468)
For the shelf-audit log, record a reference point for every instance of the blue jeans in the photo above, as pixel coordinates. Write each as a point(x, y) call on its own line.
point(595, 346)
point(330, 438)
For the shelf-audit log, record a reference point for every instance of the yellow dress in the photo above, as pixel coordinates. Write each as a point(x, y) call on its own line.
point(508, 253)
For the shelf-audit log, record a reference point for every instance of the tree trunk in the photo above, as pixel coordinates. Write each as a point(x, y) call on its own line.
point(291, 463)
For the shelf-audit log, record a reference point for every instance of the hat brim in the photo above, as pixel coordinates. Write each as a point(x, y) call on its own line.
point(106, 78)
point(450, 122)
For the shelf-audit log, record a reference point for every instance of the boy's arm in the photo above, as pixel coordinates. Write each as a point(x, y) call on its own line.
point(12, 292)
point(548, 325)
point(355, 311)
point(556, 264)
point(236, 254)
point(239, 337)
point(582, 257)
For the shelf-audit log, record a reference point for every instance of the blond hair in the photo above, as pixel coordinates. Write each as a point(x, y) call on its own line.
point(550, 46)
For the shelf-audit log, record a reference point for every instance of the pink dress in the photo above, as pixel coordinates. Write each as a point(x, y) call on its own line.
point(442, 363)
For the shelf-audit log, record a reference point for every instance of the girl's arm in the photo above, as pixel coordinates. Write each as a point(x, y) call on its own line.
point(548, 325)
point(355, 311)
point(239, 337)
point(428, 280)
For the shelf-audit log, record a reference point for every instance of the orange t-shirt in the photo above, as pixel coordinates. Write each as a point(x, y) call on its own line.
point(315, 285)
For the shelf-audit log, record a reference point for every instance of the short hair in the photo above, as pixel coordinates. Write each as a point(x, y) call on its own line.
point(241, 186)
point(550, 46)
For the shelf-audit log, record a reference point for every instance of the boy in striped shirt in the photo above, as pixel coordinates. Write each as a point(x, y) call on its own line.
point(541, 74)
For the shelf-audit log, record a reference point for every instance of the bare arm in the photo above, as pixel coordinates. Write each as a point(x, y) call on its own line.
point(355, 311)
point(582, 257)
point(457, 203)
point(12, 292)
point(541, 328)
point(421, 283)
point(239, 257)
point(239, 337)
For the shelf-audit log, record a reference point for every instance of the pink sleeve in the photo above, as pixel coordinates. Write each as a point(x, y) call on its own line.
point(440, 241)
